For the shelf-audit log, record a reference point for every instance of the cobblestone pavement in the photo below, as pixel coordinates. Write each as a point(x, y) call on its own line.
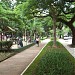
point(66, 44)
point(17, 63)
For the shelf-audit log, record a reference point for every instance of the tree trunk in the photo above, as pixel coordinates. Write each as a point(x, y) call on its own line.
point(25, 37)
point(70, 25)
point(34, 36)
point(1, 40)
point(73, 33)
point(54, 33)
point(54, 41)
point(73, 37)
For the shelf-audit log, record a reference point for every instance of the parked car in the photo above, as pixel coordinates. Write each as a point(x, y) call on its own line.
point(66, 37)
point(70, 37)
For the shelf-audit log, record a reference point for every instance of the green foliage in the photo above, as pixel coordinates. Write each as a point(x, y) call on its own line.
point(52, 61)
point(51, 38)
point(19, 9)
point(4, 11)
point(6, 3)
point(31, 8)
point(56, 62)
point(5, 45)
point(74, 24)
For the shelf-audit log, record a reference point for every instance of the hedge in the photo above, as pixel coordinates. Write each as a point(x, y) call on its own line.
point(5, 45)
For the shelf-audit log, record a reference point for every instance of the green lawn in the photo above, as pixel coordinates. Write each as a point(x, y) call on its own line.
point(53, 61)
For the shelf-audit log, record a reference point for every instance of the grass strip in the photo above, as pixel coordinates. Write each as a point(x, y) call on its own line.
point(53, 61)
point(33, 66)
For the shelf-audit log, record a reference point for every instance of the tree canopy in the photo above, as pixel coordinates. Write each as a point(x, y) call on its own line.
point(59, 11)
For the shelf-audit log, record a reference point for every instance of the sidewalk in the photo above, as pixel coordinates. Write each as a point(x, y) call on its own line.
point(17, 63)
point(66, 44)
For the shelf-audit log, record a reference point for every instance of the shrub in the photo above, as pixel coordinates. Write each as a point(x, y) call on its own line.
point(5, 45)
point(5, 54)
point(51, 38)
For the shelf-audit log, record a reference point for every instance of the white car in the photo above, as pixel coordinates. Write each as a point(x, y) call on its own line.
point(66, 37)
point(70, 37)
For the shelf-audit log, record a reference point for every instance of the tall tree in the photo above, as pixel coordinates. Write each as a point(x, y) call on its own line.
point(40, 8)
point(68, 15)
point(57, 9)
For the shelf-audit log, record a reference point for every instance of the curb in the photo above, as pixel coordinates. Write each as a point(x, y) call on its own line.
point(32, 61)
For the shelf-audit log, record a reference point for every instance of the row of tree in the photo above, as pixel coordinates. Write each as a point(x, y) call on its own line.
point(59, 10)
point(31, 15)
point(23, 24)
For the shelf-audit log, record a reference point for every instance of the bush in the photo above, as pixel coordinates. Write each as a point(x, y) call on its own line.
point(51, 38)
point(5, 45)
point(5, 54)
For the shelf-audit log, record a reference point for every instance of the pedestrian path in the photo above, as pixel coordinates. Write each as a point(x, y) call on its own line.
point(66, 44)
point(17, 63)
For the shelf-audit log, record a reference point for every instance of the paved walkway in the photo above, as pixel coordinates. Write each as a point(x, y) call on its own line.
point(66, 44)
point(17, 63)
